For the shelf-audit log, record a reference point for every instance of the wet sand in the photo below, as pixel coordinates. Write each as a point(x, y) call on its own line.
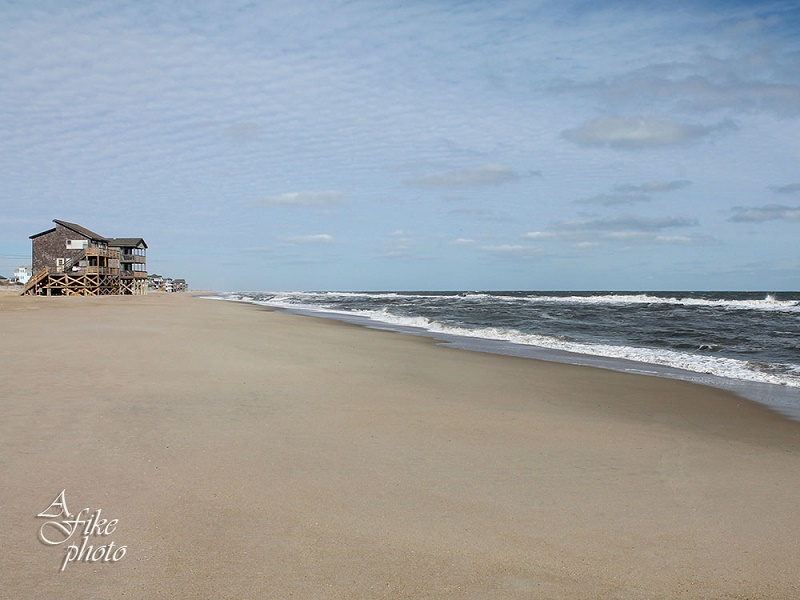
point(250, 453)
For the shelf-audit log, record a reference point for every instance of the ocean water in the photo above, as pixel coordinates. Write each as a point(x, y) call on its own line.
point(748, 342)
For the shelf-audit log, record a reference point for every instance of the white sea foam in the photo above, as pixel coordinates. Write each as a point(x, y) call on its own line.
point(768, 303)
point(723, 367)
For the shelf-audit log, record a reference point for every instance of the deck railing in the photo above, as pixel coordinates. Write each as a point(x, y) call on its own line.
point(94, 270)
point(134, 258)
point(102, 252)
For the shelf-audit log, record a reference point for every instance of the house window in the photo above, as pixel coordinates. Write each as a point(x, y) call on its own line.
point(77, 244)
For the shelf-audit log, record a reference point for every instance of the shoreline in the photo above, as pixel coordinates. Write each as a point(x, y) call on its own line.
point(784, 400)
point(248, 452)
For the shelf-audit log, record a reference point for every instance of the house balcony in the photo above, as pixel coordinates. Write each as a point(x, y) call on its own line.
point(133, 274)
point(136, 259)
point(102, 252)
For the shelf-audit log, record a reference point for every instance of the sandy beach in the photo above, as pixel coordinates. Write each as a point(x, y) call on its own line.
point(248, 453)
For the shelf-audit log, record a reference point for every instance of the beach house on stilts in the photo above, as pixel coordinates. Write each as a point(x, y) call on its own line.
point(71, 260)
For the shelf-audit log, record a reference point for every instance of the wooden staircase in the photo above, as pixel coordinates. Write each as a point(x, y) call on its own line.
point(30, 287)
point(41, 276)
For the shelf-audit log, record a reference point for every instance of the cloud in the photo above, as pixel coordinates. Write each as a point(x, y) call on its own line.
point(490, 174)
point(653, 187)
point(463, 242)
point(648, 236)
point(627, 194)
point(790, 188)
point(769, 212)
point(615, 229)
point(762, 80)
point(324, 198)
point(540, 235)
point(320, 238)
point(592, 232)
point(640, 132)
point(616, 199)
point(675, 239)
point(626, 223)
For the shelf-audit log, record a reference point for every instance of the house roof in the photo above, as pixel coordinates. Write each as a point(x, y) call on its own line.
point(35, 235)
point(126, 242)
point(96, 237)
point(81, 230)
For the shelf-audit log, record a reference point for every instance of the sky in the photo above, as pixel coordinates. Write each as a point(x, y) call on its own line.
point(410, 144)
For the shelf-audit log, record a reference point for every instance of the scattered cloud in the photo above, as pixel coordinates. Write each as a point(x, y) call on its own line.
point(675, 239)
point(769, 212)
point(323, 198)
point(653, 187)
point(762, 80)
point(627, 194)
point(640, 132)
point(648, 236)
point(319, 238)
point(490, 174)
point(511, 249)
point(592, 232)
point(627, 235)
point(540, 235)
point(628, 223)
point(615, 199)
point(463, 242)
point(481, 214)
point(789, 188)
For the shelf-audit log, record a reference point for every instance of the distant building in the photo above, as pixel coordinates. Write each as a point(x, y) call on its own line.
point(155, 282)
point(72, 260)
point(21, 275)
point(158, 283)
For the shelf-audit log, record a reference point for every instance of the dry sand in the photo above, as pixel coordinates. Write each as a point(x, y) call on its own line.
point(252, 454)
